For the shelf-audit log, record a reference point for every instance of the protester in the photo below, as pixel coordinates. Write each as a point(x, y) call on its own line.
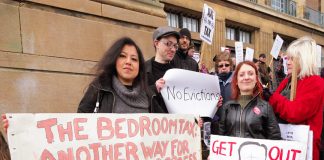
point(4, 150)
point(307, 106)
point(120, 84)
point(165, 41)
point(279, 73)
point(181, 59)
point(264, 71)
point(247, 108)
point(224, 66)
point(191, 50)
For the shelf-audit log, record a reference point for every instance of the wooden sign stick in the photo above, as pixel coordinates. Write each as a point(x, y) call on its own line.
point(293, 81)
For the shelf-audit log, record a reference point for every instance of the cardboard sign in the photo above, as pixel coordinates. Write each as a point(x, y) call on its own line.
point(276, 47)
point(249, 54)
point(300, 133)
point(234, 148)
point(207, 24)
point(239, 52)
point(103, 136)
point(319, 56)
point(188, 92)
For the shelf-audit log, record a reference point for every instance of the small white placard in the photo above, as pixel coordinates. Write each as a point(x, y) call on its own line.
point(239, 52)
point(249, 54)
point(276, 47)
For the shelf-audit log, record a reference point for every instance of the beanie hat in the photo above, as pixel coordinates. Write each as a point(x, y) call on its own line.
point(185, 32)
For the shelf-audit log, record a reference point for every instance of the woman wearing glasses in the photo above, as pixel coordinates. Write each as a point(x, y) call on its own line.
point(224, 68)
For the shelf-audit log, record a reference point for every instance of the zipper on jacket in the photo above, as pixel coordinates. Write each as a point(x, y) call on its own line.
point(113, 107)
point(242, 110)
point(241, 120)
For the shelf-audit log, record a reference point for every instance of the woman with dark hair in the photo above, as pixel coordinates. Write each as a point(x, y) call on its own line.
point(4, 150)
point(247, 115)
point(120, 85)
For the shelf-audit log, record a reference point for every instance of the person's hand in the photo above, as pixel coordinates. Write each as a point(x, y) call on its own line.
point(200, 122)
point(159, 84)
point(5, 122)
point(220, 102)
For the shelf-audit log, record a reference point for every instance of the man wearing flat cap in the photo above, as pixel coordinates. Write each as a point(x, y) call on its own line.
point(165, 41)
point(181, 59)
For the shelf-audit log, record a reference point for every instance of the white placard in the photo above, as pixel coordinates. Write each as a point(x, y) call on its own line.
point(239, 52)
point(234, 148)
point(188, 92)
point(225, 49)
point(300, 133)
point(196, 56)
point(249, 54)
point(103, 136)
point(319, 56)
point(276, 47)
point(207, 24)
point(284, 63)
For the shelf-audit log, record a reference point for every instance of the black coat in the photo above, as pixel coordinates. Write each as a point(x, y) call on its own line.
point(106, 97)
point(183, 61)
point(256, 120)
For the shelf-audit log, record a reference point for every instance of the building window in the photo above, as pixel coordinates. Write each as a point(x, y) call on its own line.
point(173, 20)
point(190, 23)
point(236, 34)
point(230, 33)
point(179, 20)
point(245, 37)
point(284, 6)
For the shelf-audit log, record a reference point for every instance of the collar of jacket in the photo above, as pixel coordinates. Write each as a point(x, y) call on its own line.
point(229, 79)
point(182, 54)
point(253, 99)
point(148, 65)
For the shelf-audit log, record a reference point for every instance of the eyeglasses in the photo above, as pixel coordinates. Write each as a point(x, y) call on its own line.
point(222, 65)
point(171, 44)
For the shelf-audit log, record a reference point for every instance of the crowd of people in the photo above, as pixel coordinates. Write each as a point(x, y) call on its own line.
point(125, 83)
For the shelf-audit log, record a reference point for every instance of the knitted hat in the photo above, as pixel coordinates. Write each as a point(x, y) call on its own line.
point(185, 32)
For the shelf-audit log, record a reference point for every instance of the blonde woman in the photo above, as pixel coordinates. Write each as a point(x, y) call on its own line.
point(307, 107)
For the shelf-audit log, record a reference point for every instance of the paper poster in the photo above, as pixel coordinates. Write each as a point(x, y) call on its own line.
point(239, 52)
point(319, 56)
point(188, 92)
point(103, 136)
point(249, 54)
point(235, 148)
point(276, 47)
point(300, 133)
point(284, 63)
point(207, 24)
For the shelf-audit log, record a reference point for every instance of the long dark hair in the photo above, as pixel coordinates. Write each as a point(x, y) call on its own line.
point(4, 150)
point(258, 86)
point(106, 67)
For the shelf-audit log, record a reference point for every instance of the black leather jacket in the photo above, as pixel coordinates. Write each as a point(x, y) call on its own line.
point(256, 120)
point(105, 96)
